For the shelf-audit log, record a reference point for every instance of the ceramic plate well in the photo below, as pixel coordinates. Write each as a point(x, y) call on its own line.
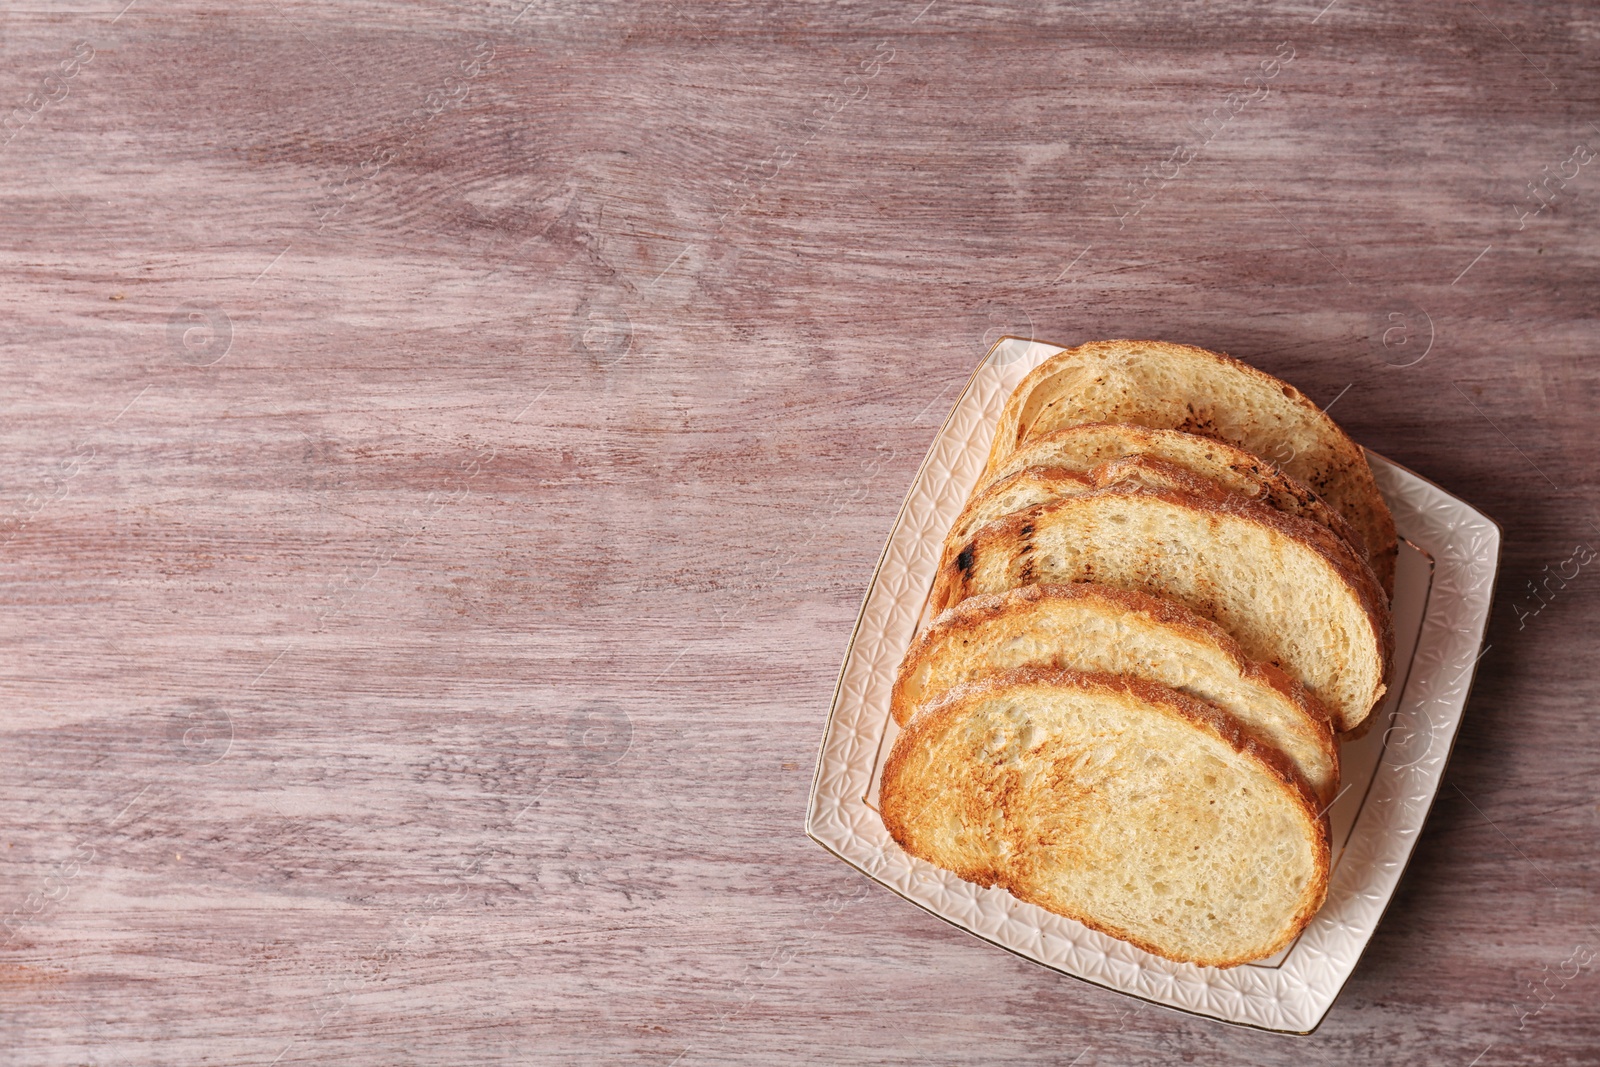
point(1445, 581)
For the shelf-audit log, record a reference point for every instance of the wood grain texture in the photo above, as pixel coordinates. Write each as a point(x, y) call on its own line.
point(446, 446)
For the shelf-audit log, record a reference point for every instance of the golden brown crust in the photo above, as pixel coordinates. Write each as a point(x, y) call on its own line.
point(1359, 730)
point(975, 611)
point(1276, 488)
point(951, 583)
point(1070, 481)
point(1345, 463)
point(1197, 712)
point(1126, 470)
point(1011, 432)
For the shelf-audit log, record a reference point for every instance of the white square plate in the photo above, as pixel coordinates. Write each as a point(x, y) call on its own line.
point(1444, 584)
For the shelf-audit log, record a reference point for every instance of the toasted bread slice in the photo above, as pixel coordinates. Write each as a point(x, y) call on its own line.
point(1168, 386)
point(1083, 448)
point(1037, 485)
point(1134, 809)
point(1097, 628)
point(1017, 492)
point(1287, 590)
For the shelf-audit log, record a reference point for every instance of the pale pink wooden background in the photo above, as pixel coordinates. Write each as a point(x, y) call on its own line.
point(446, 445)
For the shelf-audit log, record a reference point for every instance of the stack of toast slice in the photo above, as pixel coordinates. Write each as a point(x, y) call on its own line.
point(1163, 604)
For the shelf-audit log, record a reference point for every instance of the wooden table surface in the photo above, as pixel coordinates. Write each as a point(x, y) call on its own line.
point(446, 446)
